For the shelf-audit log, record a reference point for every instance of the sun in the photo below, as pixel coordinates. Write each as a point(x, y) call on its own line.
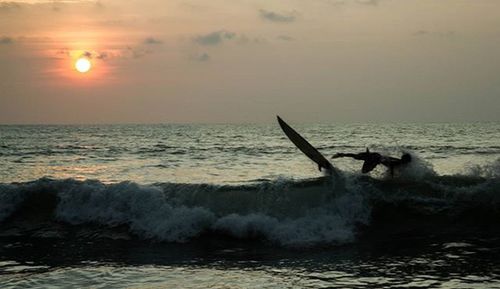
point(83, 65)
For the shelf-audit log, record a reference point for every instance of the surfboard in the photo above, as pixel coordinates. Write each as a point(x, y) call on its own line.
point(304, 146)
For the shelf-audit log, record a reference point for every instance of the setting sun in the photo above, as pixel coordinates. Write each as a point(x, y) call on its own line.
point(83, 65)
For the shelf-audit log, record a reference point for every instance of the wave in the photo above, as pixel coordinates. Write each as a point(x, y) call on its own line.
point(284, 211)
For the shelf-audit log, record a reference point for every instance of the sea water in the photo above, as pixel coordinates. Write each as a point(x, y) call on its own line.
point(239, 206)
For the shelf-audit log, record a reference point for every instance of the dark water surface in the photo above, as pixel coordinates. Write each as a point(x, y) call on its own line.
point(215, 263)
point(238, 206)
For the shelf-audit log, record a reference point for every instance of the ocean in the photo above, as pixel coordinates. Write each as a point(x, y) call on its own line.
point(239, 206)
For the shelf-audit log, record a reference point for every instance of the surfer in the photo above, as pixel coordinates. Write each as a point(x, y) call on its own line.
point(373, 159)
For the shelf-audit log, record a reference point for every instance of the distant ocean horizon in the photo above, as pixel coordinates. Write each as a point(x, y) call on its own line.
point(270, 121)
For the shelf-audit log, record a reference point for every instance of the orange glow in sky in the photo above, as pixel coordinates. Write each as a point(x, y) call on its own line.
point(107, 61)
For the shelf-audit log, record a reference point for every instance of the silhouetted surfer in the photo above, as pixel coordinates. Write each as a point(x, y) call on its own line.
point(373, 159)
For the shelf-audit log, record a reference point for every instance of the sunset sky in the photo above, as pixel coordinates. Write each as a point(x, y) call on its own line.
point(158, 61)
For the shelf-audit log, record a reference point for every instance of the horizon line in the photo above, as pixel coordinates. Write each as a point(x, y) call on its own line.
point(252, 122)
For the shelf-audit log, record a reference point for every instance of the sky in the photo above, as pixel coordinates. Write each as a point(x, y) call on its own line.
point(233, 61)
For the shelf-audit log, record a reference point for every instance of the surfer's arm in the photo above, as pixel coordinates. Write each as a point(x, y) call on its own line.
point(343, 155)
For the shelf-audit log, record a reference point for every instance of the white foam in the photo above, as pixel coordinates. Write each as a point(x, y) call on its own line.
point(488, 170)
point(144, 208)
point(286, 212)
point(149, 213)
point(246, 226)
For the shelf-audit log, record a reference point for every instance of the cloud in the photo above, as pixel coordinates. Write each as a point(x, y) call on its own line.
point(202, 57)
point(48, 5)
point(6, 40)
point(96, 54)
point(99, 5)
point(134, 52)
point(125, 52)
point(438, 34)
point(152, 41)
point(285, 38)
point(344, 2)
point(193, 7)
point(214, 38)
point(9, 6)
point(101, 55)
point(420, 33)
point(277, 17)
point(368, 2)
point(244, 40)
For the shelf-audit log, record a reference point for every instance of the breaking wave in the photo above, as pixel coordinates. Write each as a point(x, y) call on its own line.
point(284, 211)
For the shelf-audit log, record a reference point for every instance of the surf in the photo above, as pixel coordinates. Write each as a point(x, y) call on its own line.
point(283, 212)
